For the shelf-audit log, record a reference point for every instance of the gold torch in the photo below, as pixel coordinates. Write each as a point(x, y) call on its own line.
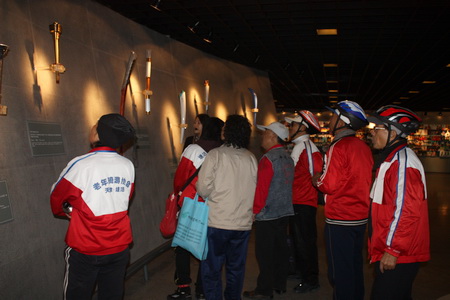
point(57, 67)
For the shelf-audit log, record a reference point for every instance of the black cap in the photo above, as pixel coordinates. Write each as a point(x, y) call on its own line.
point(114, 130)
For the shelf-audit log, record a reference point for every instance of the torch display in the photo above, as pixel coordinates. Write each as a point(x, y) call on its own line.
point(148, 72)
point(255, 104)
point(3, 53)
point(57, 67)
point(183, 124)
point(126, 81)
point(206, 103)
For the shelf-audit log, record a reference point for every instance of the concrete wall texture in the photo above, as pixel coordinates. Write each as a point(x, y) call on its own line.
point(95, 45)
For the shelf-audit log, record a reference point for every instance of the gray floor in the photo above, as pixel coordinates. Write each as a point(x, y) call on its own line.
point(432, 282)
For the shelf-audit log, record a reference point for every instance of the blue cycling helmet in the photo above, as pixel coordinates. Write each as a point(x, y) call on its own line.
point(351, 113)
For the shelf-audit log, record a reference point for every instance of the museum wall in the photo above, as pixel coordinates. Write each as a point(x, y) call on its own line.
point(95, 46)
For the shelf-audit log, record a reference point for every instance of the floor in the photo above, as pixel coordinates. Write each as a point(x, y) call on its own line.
point(432, 282)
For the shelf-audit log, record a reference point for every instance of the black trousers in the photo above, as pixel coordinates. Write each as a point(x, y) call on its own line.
point(272, 254)
point(394, 284)
point(183, 269)
point(84, 271)
point(304, 233)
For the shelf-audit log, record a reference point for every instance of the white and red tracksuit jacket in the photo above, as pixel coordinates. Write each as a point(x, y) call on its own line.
point(399, 213)
point(308, 161)
point(191, 159)
point(346, 182)
point(99, 186)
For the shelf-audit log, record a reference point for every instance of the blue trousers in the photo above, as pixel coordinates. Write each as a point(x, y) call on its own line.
point(344, 246)
point(229, 248)
point(84, 271)
point(394, 284)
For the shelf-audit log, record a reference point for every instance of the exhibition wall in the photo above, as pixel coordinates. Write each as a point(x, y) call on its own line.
point(95, 46)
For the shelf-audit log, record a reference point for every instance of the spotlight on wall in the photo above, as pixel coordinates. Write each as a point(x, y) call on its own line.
point(194, 28)
point(155, 5)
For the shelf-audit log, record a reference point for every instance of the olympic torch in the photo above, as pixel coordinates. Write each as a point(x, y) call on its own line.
point(3, 53)
point(57, 67)
point(255, 104)
point(148, 72)
point(206, 103)
point(183, 124)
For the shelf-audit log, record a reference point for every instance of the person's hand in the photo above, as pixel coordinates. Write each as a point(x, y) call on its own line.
point(387, 262)
point(68, 216)
point(315, 178)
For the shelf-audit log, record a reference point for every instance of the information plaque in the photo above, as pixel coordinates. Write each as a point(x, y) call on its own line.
point(45, 138)
point(5, 206)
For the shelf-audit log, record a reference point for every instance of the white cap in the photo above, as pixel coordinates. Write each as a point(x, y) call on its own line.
point(279, 129)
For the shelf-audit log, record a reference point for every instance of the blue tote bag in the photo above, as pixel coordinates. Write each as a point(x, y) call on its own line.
point(191, 233)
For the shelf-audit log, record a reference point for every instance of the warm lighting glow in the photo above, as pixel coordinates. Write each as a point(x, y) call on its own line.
point(413, 92)
point(330, 65)
point(333, 91)
point(95, 104)
point(333, 97)
point(448, 65)
point(333, 101)
point(371, 125)
point(220, 111)
point(428, 81)
point(330, 31)
point(396, 102)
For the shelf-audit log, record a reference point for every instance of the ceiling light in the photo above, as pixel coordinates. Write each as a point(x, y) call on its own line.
point(428, 81)
point(208, 38)
point(413, 92)
point(333, 91)
point(331, 31)
point(235, 48)
point(194, 28)
point(333, 101)
point(332, 81)
point(330, 65)
point(156, 5)
point(333, 97)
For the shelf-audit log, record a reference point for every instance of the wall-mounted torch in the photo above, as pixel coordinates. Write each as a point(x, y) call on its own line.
point(3, 53)
point(57, 67)
point(255, 104)
point(148, 72)
point(206, 103)
point(183, 124)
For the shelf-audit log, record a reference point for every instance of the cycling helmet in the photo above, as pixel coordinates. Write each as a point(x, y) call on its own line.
point(351, 113)
point(402, 120)
point(308, 119)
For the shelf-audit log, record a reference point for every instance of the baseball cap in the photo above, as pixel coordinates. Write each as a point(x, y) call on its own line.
point(279, 129)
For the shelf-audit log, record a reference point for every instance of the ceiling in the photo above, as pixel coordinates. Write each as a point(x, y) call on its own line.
point(383, 50)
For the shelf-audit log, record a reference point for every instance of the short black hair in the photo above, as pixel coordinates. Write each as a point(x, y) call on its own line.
point(202, 118)
point(212, 129)
point(237, 131)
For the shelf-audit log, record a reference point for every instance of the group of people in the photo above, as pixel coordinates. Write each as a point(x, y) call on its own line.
point(279, 191)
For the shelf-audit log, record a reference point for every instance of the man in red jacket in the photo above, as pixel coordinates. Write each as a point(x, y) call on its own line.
point(346, 184)
point(308, 162)
point(97, 187)
point(399, 236)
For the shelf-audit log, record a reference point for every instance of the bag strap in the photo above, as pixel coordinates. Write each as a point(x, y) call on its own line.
point(189, 181)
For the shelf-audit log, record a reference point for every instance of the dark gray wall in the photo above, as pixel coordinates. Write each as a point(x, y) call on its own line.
point(95, 46)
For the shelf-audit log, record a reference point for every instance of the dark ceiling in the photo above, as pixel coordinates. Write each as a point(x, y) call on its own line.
point(384, 50)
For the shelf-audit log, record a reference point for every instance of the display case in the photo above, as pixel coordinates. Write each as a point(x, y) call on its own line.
point(431, 140)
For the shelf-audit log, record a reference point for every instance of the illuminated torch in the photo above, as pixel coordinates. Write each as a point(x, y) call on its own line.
point(57, 67)
point(183, 124)
point(255, 104)
point(206, 103)
point(148, 72)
